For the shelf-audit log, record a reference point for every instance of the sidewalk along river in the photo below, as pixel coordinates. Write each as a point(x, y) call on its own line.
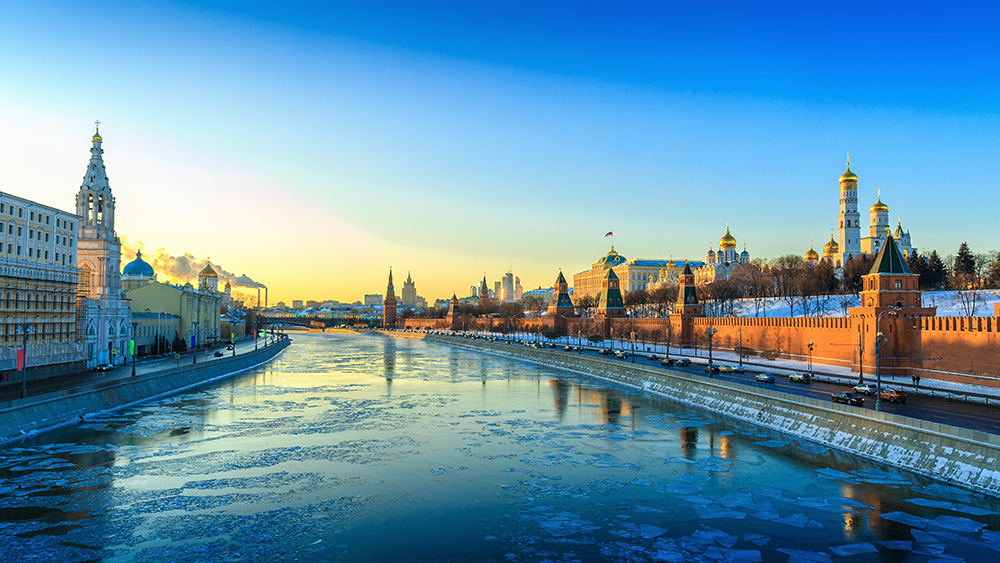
point(365, 448)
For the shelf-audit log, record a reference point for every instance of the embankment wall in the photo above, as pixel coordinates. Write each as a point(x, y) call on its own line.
point(25, 417)
point(956, 455)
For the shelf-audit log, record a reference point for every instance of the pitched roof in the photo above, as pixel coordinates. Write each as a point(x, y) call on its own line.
point(889, 260)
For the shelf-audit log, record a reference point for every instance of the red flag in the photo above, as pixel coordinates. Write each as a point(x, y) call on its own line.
point(20, 360)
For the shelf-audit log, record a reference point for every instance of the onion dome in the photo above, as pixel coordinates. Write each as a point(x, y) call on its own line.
point(811, 255)
point(848, 176)
point(207, 272)
point(138, 267)
point(879, 206)
point(97, 132)
point(830, 248)
point(727, 240)
point(612, 258)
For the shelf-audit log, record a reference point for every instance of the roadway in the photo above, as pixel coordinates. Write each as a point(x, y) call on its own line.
point(973, 416)
point(10, 391)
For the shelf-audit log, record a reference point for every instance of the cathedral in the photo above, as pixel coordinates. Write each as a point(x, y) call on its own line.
point(106, 316)
point(719, 265)
point(850, 242)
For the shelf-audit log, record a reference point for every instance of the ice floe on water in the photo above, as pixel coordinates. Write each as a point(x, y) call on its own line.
point(501, 459)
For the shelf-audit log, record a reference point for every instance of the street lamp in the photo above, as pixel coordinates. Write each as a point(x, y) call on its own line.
point(633, 347)
point(132, 347)
point(25, 330)
point(880, 340)
point(711, 331)
point(810, 358)
point(741, 346)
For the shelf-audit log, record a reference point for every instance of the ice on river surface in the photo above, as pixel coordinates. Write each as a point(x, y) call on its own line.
point(363, 448)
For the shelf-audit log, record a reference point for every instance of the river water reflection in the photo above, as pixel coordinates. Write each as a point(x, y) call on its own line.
point(363, 448)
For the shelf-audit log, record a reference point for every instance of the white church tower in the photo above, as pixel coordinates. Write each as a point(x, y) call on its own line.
point(107, 317)
point(849, 233)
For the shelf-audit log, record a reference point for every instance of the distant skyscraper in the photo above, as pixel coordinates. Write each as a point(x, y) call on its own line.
point(409, 292)
point(507, 288)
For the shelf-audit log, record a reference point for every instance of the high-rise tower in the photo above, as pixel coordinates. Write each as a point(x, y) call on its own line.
point(849, 219)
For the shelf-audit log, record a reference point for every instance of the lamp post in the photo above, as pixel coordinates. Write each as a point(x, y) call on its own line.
point(741, 347)
point(633, 347)
point(711, 331)
point(810, 358)
point(194, 353)
point(25, 330)
point(880, 340)
point(133, 346)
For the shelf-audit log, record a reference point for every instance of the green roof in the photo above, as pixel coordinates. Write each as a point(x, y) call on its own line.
point(889, 260)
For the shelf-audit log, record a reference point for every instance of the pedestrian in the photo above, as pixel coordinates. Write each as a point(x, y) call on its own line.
point(918, 381)
point(914, 378)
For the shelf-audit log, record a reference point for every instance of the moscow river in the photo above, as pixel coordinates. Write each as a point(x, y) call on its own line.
point(366, 448)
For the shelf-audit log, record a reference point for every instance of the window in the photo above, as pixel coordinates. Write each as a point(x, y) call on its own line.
point(19, 230)
point(3, 207)
point(46, 254)
point(31, 216)
point(899, 284)
point(46, 237)
point(20, 212)
point(19, 250)
point(31, 252)
point(47, 218)
point(31, 234)
point(10, 229)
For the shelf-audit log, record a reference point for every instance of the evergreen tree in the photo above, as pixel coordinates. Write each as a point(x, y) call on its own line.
point(918, 265)
point(965, 262)
point(937, 275)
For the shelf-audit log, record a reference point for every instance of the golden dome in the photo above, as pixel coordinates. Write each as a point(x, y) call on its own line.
point(879, 206)
point(848, 176)
point(97, 132)
point(811, 255)
point(830, 248)
point(727, 240)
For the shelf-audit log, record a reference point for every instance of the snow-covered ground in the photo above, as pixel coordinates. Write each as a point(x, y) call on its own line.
point(947, 302)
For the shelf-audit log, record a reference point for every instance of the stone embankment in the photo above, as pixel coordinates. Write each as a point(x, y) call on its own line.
point(956, 455)
point(26, 417)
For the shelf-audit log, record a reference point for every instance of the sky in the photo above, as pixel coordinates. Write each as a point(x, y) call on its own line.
point(311, 147)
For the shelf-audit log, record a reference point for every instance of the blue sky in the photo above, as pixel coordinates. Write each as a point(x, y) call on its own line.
point(313, 146)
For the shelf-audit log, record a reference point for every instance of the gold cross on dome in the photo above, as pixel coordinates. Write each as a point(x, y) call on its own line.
point(97, 124)
point(848, 159)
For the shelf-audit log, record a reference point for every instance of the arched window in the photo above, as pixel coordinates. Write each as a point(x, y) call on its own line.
point(100, 209)
point(90, 207)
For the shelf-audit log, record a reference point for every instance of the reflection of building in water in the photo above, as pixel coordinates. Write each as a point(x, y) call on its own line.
point(611, 405)
point(689, 441)
point(560, 395)
point(389, 356)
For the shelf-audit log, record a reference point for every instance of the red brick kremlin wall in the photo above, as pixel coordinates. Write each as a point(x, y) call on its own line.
point(959, 349)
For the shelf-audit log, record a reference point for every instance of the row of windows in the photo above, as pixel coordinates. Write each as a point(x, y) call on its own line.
point(37, 332)
point(61, 302)
point(44, 255)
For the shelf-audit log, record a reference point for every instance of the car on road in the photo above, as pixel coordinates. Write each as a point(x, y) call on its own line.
point(219, 353)
point(738, 369)
point(568, 348)
point(683, 362)
point(104, 367)
point(230, 347)
point(604, 352)
point(764, 378)
point(621, 355)
point(847, 398)
point(667, 362)
point(652, 357)
point(866, 389)
point(725, 368)
point(893, 396)
point(712, 368)
point(799, 377)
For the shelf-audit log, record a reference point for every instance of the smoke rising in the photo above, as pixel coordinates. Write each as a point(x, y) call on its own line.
point(184, 268)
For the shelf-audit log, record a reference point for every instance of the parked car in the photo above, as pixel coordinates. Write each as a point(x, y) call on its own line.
point(604, 352)
point(893, 396)
point(652, 357)
point(847, 398)
point(764, 378)
point(219, 353)
point(866, 389)
point(104, 367)
point(712, 368)
point(800, 378)
point(683, 362)
point(667, 362)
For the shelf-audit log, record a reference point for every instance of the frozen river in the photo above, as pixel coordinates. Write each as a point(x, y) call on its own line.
point(364, 448)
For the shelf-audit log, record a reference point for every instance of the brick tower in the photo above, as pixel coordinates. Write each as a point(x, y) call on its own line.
point(890, 305)
point(686, 309)
point(560, 306)
point(389, 305)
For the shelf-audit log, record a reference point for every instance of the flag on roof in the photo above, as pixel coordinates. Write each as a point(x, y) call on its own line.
point(610, 233)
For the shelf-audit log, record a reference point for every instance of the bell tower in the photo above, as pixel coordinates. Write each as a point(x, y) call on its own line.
point(99, 250)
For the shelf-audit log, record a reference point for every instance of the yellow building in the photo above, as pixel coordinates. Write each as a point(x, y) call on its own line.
point(198, 310)
point(634, 274)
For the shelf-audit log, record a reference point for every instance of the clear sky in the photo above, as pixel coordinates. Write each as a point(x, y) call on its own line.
point(311, 147)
